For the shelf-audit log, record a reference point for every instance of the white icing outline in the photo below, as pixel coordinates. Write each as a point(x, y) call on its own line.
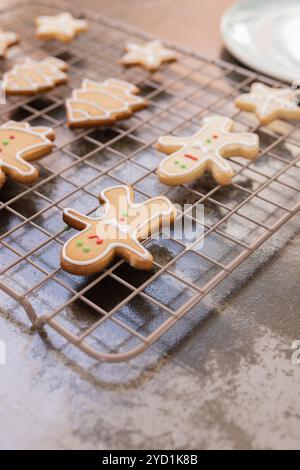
point(151, 53)
point(9, 38)
point(62, 23)
point(216, 158)
point(145, 255)
point(27, 65)
point(268, 100)
point(28, 130)
point(85, 115)
point(126, 87)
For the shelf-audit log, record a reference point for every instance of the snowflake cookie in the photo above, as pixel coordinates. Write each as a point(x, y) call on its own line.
point(63, 27)
point(269, 103)
point(150, 55)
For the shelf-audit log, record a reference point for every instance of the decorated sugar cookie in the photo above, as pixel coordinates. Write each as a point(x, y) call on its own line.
point(63, 27)
point(117, 233)
point(32, 76)
point(103, 103)
point(7, 39)
point(269, 103)
point(208, 149)
point(150, 55)
point(19, 144)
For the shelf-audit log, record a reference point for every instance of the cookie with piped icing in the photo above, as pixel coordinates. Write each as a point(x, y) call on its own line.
point(20, 144)
point(118, 232)
point(31, 76)
point(269, 103)
point(7, 39)
point(63, 27)
point(103, 103)
point(206, 150)
point(149, 55)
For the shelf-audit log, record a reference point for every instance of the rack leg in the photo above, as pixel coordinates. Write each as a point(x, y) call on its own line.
point(24, 302)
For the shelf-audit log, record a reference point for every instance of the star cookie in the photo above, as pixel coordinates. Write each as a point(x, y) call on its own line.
point(19, 144)
point(63, 27)
point(116, 233)
point(150, 55)
point(208, 149)
point(32, 76)
point(7, 39)
point(103, 103)
point(269, 103)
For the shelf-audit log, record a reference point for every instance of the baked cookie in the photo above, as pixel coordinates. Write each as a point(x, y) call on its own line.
point(206, 150)
point(103, 103)
point(269, 103)
point(116, 233)
point(63, 27)
point(149, 55)
point(19, 144)
point(30, 76)
point(7, 39)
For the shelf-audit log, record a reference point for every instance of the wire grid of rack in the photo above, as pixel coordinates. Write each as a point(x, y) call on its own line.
point(121, 312)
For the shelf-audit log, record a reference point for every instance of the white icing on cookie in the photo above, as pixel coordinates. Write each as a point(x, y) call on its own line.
point(32, 76)
point(151, 54)
point(204, 150)
point(269, 103)
point(126, 230)
point(7, 39)
point(13, 152)
point(123, 228)
point(91, 94)
point(63, 27)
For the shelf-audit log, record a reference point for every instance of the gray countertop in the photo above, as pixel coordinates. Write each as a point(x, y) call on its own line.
point(228, 383)
point(221, 378)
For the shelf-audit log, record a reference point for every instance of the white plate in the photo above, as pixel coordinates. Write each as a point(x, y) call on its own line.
point(265, 35)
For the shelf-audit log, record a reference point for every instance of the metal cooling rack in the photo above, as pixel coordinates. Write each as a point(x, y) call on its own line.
point(119, 313)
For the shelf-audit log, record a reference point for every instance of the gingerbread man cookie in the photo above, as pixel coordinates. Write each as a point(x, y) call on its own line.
point(103, 103)
point(205, 150)
point(149, 55)
point(269, 103)
point(117, 233)
point(7, 39)
point(63, 27)
point(19, 144)
point(32, 76)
